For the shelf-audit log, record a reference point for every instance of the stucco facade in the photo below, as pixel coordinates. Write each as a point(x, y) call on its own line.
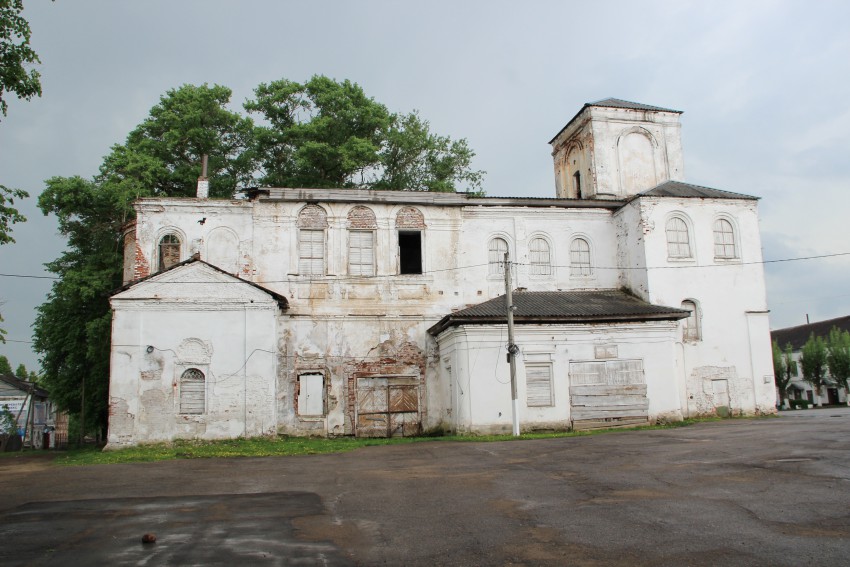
point(324, 300)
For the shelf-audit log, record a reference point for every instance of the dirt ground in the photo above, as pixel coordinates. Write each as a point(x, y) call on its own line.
point(738, 492)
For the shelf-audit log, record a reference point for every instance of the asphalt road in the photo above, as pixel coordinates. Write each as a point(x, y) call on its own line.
point(739, 492)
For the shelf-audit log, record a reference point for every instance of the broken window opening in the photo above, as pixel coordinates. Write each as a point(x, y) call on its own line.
point(169, 251)
point(192, 392)
point(410, 251)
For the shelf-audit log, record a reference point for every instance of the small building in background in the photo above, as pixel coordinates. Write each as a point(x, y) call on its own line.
point(37, 423)
point(797, 336)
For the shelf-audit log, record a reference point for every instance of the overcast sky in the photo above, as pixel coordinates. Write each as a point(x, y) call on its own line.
point(765, 87)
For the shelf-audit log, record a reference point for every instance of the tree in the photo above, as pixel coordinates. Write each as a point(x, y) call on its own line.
point(813, 362)
point(784, 369)
point(9, 215)
point(162, 156)
point(838, 357)
point(16, 54)
point(324, 133)
point(5, 367)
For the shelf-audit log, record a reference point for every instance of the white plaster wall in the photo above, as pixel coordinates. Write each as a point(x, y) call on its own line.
point(237, 331)
point(481, 374)
point(730, 295)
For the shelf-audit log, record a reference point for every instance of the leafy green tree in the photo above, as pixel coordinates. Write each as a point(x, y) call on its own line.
point(813, 362)
point(9, 215)
point(162, 156)
point(838, 357)
point(324, 133)
point(784, 369)
point(5, 367)
point(16, 54)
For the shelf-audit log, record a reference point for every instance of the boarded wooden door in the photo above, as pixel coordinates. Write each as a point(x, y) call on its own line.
point(608, 393)
point(388, 406)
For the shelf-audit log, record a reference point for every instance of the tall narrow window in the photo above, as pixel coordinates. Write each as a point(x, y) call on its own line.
point(361, 253)
point(580, 257)
point(724, 239)
point(311, 252)
point(496, 256)
point(169, 251)
point(312, 223)
point(691, 325)
point(192, 392)
point(678, 241)
point(410, 252)
point(541, 263)
point(577, 184)
point(410, 223)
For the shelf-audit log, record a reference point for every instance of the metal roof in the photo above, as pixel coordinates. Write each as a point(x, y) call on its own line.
point(561, 307)
point(688, 191)
point(798, 335)
point(25, 386)
point(620, 103)
point(614, 103)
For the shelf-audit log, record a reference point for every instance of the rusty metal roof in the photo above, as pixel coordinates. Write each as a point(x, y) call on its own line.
point(798, 335)
point(25, 386)
point(561, 307)
point(688, 191)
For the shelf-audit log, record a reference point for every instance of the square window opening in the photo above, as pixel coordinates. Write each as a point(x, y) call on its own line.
point(410, 252)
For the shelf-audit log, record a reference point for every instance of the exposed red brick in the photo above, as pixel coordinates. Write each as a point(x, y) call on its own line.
point(141, 267)
point(361, 217)
point(409, 217)
point(312, 216)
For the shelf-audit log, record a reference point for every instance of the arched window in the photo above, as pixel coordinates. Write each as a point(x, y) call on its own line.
point(361, 241)
point(678, 240)
point(580, 257)
point(724, 239)
point(577, 184)
point(541, 263)
point(192, 392)
point(169, 251)
point(496, 256)
point(312, 222)
point(691, 325)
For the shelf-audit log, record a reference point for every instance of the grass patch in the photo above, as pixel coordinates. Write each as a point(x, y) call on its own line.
point(295, 446)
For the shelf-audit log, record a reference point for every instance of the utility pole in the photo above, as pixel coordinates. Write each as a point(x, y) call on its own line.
point(513, 350)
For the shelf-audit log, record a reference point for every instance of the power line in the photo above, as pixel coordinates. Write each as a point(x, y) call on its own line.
point(332, 278)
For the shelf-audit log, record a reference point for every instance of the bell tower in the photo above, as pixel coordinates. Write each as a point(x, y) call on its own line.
point(613, 149)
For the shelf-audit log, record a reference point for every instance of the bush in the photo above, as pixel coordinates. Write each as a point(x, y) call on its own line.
point(799, 404)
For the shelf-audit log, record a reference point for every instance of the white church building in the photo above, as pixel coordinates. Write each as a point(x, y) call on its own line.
point(637, 298)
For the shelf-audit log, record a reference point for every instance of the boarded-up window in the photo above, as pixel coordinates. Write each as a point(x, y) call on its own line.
point(609, 372)
point(541, 263)
point(580, 257)
point(538, 385)
point(311, 252)
point(496, 256)
point(311, 395)
point(678, 240)
point(169, 251)
point(691, 325)
point(361, 253)
point(192, 392)
point(724, 239)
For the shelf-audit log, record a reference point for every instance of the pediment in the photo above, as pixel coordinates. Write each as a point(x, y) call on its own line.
point(195, 282)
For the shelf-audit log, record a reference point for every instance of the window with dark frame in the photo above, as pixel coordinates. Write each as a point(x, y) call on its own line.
point(169, 251)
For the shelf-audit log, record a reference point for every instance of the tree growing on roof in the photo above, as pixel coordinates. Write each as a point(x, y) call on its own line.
point(813, 362)
point(784, 370)
point(838, 357)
